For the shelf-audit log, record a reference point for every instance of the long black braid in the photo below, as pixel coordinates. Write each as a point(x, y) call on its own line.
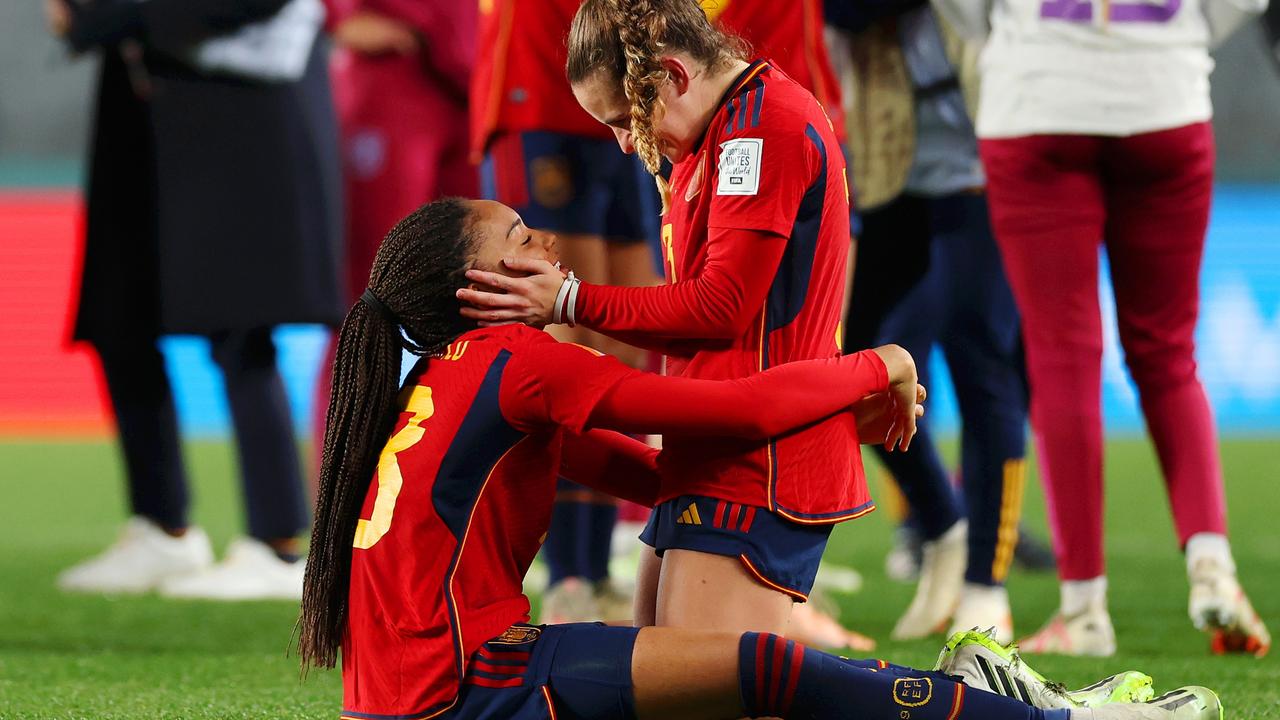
point(419, 266)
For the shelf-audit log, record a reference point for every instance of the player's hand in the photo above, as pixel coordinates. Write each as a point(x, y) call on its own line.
point(58, 17)
point(529, 299)
point(372, 33)
point(904, 390)
point(875, 415)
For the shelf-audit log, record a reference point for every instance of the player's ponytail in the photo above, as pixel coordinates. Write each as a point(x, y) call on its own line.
point(625, 38)
point(409, 303)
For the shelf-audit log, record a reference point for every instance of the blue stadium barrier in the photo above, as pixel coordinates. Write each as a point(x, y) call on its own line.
point(1239, 338)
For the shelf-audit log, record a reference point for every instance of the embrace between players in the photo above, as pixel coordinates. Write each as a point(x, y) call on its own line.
point(436, 494)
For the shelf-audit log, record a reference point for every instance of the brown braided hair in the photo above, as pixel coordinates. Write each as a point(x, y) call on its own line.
point(625, 38)
point(421, 264)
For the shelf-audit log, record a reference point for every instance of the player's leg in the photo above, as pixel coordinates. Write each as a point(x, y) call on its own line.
point(1047, 212)
point(267, 563)
point(983, 350)
point(915, 323)
point(713, 549)
point(1159, 190)
point(158, 542)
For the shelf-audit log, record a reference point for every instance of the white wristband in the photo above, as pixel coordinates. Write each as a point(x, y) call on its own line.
point(571, 305)
point(557, 311)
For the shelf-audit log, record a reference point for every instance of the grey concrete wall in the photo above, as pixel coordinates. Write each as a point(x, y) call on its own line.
point(45, 102)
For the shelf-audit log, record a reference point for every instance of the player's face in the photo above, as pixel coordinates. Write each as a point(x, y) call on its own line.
point(500, 234)
point(679, 126)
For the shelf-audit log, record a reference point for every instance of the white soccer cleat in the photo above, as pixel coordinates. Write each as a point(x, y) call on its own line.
point(251, 570)
point(1126, 687)
point(1088, 633)
point(984, 606)
point(1219, 607)
point(941, 578)
point(988, 665)
point(140, 559)
point(1185, 703)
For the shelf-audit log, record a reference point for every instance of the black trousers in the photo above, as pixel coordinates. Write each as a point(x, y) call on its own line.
point(270, 468)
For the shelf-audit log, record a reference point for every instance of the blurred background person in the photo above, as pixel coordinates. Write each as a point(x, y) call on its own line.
point(401, 70)
point(919, 181)
point(548, 159)
point(213, 209)
point(1095, 130)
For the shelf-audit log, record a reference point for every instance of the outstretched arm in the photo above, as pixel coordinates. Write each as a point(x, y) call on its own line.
point(718, 303)
point(567, 385)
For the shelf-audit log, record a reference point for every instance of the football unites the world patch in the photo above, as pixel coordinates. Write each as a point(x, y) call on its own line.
point(739, 171)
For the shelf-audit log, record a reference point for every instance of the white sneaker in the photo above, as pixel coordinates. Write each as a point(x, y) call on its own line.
point(941, 578)
point(139, 560)
point(983, 606)
point(1219, 607)
point(251, 570)
point(1185, 703)
point(1087, 633)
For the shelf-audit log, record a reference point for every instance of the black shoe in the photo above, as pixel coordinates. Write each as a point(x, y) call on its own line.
point(1032, 553)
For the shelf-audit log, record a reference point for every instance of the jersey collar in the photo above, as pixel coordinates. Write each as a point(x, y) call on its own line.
point(756, 67)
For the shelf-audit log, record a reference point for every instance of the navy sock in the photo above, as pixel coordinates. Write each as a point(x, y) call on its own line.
point(781, 678)
point(581, 534)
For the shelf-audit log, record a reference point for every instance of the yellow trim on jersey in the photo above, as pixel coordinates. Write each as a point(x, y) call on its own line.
point(1015, 477)
point(826, 520)
point(462, 546)
point(591, 350)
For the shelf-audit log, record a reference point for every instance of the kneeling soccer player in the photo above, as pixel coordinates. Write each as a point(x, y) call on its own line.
point(434, 498)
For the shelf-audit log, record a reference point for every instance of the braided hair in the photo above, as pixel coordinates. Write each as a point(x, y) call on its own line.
point(624, 38)
point(410, 303)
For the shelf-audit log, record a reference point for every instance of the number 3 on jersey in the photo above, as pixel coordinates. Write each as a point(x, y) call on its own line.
point(418, 402)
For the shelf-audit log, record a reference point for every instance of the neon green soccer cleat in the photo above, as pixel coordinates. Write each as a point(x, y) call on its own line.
point(987, 665)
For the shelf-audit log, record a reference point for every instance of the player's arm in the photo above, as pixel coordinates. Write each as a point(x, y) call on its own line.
point(717, 304)
point(746, 236)
point(611, 463)
point(572, 387)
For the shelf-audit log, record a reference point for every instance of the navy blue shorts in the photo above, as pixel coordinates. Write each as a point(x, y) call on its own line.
point(571, 184)
point(543, 672)
point(781, 554)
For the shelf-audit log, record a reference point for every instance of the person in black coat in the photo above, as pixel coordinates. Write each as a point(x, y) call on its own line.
point(214, 208)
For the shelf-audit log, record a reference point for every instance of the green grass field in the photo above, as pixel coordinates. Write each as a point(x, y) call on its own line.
point(92, 657)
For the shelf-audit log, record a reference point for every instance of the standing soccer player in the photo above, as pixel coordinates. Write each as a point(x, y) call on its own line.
point(755, 240)
point(1094, 127)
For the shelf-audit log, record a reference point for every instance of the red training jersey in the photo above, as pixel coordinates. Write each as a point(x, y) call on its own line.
point(791, 34)
point(519, 83)
point(768, 162)
point(462, 496)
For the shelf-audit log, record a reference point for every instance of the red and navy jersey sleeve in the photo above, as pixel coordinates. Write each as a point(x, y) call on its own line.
point(549, 384)
point(765, 157)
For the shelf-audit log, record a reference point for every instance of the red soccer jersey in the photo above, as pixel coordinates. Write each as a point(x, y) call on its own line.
point(519, 83)
point(462, 496)
point(459, 506)
point(791, 34)
point(768, 163)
